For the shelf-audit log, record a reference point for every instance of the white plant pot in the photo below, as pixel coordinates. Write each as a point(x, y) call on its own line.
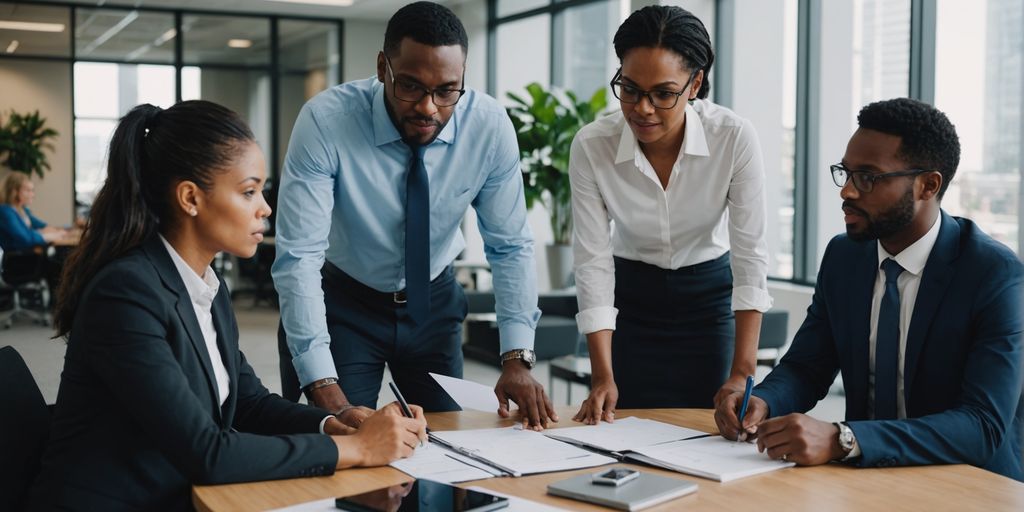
point(559, 265)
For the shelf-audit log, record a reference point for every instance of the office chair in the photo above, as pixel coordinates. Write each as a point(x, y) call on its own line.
point(774, 336)
point(23, 274)
point(24, 429)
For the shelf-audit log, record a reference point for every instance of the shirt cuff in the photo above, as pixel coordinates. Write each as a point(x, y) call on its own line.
point(316, 363)
point(745, 298)
point(514, 335)
point(596, 319)
point(324, 422)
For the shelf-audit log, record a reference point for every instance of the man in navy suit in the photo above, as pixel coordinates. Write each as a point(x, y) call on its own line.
point(920, 311)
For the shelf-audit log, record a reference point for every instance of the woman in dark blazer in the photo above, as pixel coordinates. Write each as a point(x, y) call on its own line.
point(155, 395)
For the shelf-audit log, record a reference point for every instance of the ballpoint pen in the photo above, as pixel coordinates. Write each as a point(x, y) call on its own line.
point(746, 399)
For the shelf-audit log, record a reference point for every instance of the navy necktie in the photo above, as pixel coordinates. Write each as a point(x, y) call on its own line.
point(887, 343)
point(417, 238)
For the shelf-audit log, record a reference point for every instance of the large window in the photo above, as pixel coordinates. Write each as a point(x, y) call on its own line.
point(988, 114)
point(103, 93)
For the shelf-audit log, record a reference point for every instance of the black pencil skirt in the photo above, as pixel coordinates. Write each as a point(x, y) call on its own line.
point(675, 333)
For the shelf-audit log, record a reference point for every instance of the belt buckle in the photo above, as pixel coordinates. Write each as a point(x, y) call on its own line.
point(398, 297)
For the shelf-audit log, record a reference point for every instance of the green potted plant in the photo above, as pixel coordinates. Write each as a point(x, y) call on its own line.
point(22, 141)
point(545, 125)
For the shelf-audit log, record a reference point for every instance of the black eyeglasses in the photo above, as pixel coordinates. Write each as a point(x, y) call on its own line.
point(413, 92)
point(663, 99)
point(864, 181)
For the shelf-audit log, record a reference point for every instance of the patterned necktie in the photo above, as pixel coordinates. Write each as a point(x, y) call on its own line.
point(417, 238)
point(887, 343)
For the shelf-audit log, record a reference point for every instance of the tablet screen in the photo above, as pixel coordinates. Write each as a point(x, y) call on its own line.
point(422, 496)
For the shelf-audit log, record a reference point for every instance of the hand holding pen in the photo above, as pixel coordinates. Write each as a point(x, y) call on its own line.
point(411, 411)
point(738, 414)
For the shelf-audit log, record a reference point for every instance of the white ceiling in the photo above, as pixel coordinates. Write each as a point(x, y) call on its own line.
point(360, 9)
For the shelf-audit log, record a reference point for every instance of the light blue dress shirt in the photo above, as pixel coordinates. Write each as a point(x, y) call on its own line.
point(342, 196)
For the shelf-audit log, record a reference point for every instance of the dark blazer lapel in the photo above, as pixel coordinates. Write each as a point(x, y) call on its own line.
point(862, 287)
point(164, 265)
point(227, 343)
point(937, 274)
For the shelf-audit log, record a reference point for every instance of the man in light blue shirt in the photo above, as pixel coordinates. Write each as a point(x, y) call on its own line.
point(378, 177)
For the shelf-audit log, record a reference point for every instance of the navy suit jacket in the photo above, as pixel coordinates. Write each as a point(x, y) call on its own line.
point(137, 419)
point(963, 362)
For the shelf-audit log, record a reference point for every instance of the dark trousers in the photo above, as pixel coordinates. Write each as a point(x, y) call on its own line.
point(675, 333)
point(369, 329)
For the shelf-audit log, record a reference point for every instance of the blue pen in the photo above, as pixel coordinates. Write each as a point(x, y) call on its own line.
point(746, 399)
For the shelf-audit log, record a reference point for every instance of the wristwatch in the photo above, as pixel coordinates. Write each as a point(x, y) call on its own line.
point(527, 356)
point(317, 384)
point(846, 438)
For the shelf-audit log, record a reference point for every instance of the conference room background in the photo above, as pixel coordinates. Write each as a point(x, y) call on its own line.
point(798, 69)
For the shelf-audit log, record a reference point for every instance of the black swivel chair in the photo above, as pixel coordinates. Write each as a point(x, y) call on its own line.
point(24, 429)
point(23, 276)
point(774, 335)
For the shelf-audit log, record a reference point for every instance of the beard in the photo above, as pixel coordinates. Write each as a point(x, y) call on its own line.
point(886, 223)
point(401, 123)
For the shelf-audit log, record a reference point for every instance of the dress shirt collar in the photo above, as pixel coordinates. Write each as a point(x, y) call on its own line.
point(384, 131)
point(202, 290)
point(694, 141)
point(914, 257)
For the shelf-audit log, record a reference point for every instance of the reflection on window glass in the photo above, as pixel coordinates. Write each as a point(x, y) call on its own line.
point(124, 35)
point(507, 7)
point(52, 39)
point(524, 54)
point(881, 51)
point(585, 58)
point(232, 40)
point(103, 93)
point(984, 44)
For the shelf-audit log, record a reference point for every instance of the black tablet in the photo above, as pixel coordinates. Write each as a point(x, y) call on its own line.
point(422, 496)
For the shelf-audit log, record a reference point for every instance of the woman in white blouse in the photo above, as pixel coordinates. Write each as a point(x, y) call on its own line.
point(669, 211)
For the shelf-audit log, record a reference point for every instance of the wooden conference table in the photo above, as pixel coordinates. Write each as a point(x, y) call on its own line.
point(830, 487)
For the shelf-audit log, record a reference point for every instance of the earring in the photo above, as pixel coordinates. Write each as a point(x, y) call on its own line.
point(193, 212)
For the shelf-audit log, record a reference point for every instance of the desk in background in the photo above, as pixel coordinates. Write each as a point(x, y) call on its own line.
point(833, 487)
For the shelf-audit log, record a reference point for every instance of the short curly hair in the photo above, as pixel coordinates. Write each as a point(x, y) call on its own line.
point(928, 140)
point(426, 23)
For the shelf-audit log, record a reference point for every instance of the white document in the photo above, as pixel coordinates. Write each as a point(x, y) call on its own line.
point(437, 463)
point(625, 434)
point(714, 457)
point(520, 452)
point(468, 394)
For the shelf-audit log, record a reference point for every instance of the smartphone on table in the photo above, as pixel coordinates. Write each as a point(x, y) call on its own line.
point(422, 496)
point(615, 476)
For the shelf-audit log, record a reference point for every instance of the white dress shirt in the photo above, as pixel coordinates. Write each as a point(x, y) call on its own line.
point(913, 260)
point(202, 291)
point(714, 203)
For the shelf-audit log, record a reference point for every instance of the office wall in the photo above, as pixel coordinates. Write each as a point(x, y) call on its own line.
point(29, 85)
point(363, 39)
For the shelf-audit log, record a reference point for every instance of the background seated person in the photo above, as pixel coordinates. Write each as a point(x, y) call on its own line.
point(920, 311)
point(155, 395)
point(19, 229)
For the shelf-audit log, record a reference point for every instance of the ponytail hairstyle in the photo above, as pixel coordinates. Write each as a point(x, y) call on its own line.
point(672, 28)
point(152, 150)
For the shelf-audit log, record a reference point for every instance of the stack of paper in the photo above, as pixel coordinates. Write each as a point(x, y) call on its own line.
point(625, 434)
point(714, 457)
point(463, 455)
